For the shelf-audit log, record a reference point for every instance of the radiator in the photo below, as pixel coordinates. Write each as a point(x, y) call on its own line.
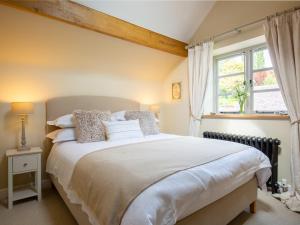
point(268, 146)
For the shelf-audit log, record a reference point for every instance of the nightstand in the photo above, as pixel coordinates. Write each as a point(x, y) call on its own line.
point(24, 162)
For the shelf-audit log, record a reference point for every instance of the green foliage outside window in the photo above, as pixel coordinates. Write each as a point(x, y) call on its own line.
point(259, 61)
point(227, 100)
point(231, 65)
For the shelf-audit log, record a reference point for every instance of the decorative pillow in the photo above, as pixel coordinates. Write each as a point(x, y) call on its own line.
point(118, 130)
point(65, 121)
point(89, 127)
point(61, 135)
point(147, 121)
point(118, 116)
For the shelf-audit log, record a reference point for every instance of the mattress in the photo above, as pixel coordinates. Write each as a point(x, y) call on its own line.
point(176, 196)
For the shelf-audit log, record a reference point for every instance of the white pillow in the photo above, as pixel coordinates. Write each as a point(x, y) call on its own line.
point(61, 135)
point(63, 121)
point(118, 130)
point(118, 116)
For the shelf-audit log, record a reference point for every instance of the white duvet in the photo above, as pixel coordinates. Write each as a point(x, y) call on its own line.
point(176, 196)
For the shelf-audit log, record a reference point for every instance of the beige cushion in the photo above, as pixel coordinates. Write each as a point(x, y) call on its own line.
point(61, 135)
point(147, 121)
point(65, 121)
point(120, 130)
point(89, 127)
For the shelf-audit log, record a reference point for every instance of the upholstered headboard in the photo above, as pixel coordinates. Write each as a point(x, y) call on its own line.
point(65, 105)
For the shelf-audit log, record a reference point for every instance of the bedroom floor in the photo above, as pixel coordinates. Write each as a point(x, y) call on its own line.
point(52, 211)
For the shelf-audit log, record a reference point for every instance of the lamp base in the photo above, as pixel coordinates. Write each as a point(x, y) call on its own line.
point(24, 148)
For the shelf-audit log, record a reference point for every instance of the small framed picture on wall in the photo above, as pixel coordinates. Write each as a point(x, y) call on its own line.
point(176, 91)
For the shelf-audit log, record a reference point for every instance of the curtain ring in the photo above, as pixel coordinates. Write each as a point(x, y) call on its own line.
point(296, 121)
point(195, 118)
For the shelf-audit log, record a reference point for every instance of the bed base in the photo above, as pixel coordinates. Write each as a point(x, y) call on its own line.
point(220, 212)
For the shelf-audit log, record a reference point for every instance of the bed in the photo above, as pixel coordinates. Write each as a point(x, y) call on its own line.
point(192, 196)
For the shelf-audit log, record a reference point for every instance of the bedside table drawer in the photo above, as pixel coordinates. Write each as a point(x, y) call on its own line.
point(25, 163)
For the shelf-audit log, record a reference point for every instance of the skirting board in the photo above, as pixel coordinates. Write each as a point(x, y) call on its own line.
point(46, 183)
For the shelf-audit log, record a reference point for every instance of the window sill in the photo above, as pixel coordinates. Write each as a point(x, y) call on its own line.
point(247, 116)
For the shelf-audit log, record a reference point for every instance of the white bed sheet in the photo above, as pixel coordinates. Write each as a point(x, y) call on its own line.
point(178, 195)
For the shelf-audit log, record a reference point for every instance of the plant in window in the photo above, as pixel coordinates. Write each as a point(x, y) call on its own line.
point(241, 93)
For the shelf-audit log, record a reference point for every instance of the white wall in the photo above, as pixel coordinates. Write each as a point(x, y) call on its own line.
point(226, 15)
point(174, 115)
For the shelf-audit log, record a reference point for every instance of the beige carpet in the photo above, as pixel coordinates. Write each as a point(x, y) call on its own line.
point(52, 211)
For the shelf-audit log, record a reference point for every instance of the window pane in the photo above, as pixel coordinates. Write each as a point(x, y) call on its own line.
point(268, 101)
point(231, 65)
point(227, 84)
point(264, 80)
point(261, 59)
point(227, 102)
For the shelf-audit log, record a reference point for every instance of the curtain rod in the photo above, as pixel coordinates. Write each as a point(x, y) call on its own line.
point(239, 28)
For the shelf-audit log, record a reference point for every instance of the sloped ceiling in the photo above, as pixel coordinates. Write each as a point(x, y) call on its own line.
point(175, 19)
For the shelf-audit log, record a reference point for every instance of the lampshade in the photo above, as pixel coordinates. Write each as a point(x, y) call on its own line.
point(22, 108)
point(155, 108)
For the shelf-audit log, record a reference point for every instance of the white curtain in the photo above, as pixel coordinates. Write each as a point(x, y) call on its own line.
point(283, 39)
point(200, 59)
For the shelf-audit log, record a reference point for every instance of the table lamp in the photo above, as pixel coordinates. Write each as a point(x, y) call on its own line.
point(22, 109)
point(155, 108)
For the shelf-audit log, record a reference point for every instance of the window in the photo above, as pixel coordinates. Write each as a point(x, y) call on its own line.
point(252, 67)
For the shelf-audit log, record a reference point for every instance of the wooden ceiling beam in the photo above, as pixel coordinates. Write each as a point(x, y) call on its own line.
point(82, 16)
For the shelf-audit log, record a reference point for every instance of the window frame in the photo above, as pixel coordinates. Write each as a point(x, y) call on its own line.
point(248, 76)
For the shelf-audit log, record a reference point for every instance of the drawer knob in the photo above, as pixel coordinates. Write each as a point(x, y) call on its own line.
point(25, 164)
